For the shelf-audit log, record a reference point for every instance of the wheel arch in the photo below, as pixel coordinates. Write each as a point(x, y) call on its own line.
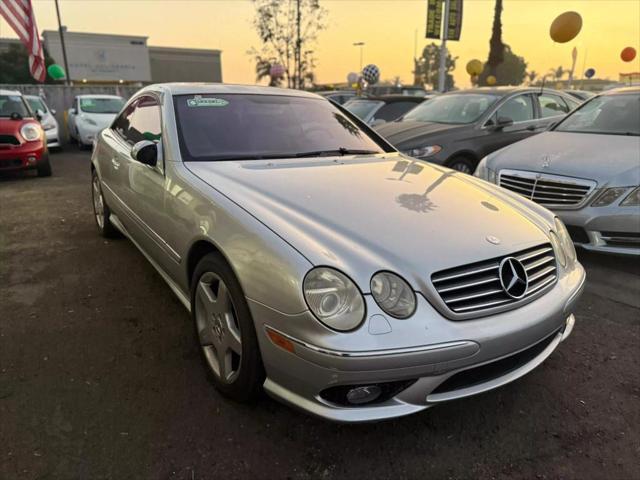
point(470, 154)
point(198, 250)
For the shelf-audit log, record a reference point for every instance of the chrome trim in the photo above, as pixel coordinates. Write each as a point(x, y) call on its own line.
point(570, 193)
point(369, 353)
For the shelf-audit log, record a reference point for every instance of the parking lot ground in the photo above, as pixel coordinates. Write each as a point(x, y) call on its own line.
point(100, 376)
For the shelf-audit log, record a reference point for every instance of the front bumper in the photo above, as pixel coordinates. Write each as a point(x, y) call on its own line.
point(524, 338)
point(612, 229)
point(22, 157)
point(53, 138)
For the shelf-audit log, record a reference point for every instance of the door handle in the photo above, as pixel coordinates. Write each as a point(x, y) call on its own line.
point(115, 163)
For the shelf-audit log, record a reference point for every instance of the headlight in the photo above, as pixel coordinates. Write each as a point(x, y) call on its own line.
point(89, 121)
point(31, 132)
point(333, 298)
point(633, 199)
point(394, 296)
point(565, 242)
point(424, 151)
point(608, 196)
point(557, 248)
point(484, 172)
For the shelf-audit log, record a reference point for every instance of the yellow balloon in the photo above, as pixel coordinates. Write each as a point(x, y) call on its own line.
point(565, 27)
point(491, 80)
point(474, 67)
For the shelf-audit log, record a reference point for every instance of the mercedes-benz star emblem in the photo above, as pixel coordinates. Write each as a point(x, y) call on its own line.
point(513, 277)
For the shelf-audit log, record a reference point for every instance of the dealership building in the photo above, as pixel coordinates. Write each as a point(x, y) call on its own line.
point(127, 59)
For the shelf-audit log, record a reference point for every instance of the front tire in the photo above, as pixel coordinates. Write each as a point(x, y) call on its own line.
point(225, 330)
point(101, 212)
point(462, 164)
point(44, 166)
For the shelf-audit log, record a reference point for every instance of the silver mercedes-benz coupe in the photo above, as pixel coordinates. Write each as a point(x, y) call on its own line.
point(586, 169)
point(320, 264)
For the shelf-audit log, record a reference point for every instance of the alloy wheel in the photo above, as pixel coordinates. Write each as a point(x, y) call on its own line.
point(218, 327)
point(98, 201)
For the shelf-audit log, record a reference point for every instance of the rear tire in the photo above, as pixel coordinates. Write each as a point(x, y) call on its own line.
point(101, 212)
point(44, 166)
point(462, 164)
point(225, 331)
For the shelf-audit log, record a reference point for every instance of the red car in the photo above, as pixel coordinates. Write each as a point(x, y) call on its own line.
point(23, 145)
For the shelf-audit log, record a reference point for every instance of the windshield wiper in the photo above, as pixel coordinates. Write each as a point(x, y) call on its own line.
point(334, 153)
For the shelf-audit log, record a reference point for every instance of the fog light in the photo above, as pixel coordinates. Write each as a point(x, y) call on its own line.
point(360, 395)
point(31, 160)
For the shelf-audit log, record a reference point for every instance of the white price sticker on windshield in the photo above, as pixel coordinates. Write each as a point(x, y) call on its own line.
point(199, 101)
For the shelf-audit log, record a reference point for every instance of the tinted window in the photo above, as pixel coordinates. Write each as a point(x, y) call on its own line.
point(552, 105)
point(391, 111)
point(452, 108)
point(228, 126)
point(362, 108)
point(101, 105)
point(13, 104)
point(608, 114)
point(518, 109)
point(140, 121)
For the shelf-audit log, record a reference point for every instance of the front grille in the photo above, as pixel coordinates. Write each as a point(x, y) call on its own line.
point(477, 287)
point(548, 190)
point(578, 234)
point(490, 371)
point(9, 140)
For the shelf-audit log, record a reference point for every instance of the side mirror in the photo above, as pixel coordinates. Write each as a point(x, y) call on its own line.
point(501, 123)
point(145, 152)
point(39, 115)
point(73, 111)
point(53, 112)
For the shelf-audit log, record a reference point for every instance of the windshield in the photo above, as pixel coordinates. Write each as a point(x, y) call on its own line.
point(10, 104)
point(101, 105)
point(36, 103)
point(362, 108)
point(455, 108)
point(608, 115)
point(237, 126)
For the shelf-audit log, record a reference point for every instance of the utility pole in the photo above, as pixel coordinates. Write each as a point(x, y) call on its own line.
point(64, 49)
point(361, 45)
point(443, 49)
point(298, 49)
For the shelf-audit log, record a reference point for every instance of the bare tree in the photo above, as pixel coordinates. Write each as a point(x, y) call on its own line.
point(287, 28)
point(531, 76)
point(558, 73)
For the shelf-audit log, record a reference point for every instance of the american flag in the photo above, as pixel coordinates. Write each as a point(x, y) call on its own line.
point(19, 15)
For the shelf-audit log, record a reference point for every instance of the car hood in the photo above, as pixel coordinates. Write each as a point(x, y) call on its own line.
point(607, 159)
point(103, 120)
point(410, 133)
point(364, 214)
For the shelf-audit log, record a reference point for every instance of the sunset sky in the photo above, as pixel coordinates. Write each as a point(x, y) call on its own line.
point(387, 26)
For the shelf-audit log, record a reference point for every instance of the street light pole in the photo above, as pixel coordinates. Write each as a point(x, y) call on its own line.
point(361, 45)
point(443, 49)
point(64, 50)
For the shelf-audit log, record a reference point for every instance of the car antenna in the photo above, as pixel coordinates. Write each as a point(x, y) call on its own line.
point(542, 84)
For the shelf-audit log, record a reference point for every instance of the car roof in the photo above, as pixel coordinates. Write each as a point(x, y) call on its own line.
point(326, 93)
point(222, 88)
point(9, 92)
point(622, 91)
point(91, 95)
point(392, 98)
point(503, 91)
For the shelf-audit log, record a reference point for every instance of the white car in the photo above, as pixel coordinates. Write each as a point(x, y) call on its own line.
point(47, 119)
point(90, 115)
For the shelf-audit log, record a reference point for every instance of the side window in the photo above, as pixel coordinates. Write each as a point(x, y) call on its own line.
point(518, 109)
point(139, 121)
point(552, 105)
point(391, 111)
point(145, 124)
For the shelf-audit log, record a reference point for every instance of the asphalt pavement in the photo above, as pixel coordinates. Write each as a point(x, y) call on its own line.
point(100, 376)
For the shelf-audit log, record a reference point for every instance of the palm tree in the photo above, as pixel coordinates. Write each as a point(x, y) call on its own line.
point(263, 70)
point(532, 75)
point(558, 73)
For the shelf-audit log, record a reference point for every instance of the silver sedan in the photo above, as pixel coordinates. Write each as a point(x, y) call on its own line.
point(318, 263)
point(586, 169)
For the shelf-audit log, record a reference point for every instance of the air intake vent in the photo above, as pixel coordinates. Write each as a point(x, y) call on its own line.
point(477, 287)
